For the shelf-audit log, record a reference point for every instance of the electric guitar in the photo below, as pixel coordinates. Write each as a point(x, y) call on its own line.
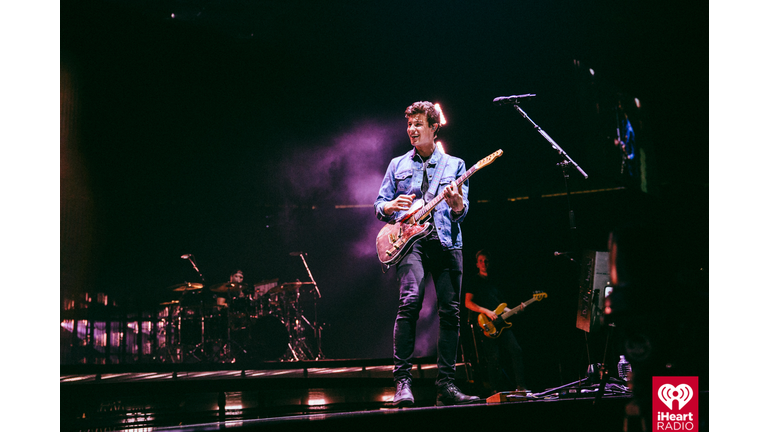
point(396, 238)
point(622, 145)
point(492, 329)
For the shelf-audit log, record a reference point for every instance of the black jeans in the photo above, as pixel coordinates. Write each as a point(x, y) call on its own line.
point(495, 350)
point(446, 268)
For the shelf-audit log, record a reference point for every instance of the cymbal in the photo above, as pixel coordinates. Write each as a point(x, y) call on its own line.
point(289, 286)
point(186, 286)
point(169, 303)
point(227, 287)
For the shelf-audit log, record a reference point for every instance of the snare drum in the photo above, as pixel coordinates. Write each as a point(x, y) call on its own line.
point(240, 306)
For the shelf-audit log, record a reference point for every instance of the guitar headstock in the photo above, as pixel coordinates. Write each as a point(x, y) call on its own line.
point(489, 159)
point(539, 295)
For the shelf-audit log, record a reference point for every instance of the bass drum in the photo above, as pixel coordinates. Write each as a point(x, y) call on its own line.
point(264, 338)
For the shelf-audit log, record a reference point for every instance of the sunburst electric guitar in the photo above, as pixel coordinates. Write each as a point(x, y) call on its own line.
point(397, 237)
point(492, 329)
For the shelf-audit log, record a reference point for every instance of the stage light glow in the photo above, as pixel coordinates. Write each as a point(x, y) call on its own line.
point(440, 146)
point(387, 396)
point(233, 401)
point(316, 398)
point(591, 71)
point(637, 102)
point(68, 325)
point(443, 121)
point(77, 378)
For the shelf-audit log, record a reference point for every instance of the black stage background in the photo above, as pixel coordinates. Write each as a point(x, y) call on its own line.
point(243, 131)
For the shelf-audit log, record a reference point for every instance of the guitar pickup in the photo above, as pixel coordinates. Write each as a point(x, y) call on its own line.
point(394, 248)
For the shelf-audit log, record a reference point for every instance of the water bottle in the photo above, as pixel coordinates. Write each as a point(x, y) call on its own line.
point(624, 368)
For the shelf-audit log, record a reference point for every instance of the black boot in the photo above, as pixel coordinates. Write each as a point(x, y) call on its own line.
point(449, 394)
point(403, 395)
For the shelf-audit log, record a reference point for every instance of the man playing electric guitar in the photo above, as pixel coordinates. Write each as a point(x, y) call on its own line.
point(483, 295)
point(425, 172)
point(625, 141)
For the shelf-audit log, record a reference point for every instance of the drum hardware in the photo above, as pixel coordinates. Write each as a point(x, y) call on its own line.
point(299, 326)
point(298, 346)
point(288, 286)
point(193, 306)
point(186, 286)
point(233, 316)
point(228, 288)
point(315, 296)
point(183, 325)
point(265, 321)
point(264, 286)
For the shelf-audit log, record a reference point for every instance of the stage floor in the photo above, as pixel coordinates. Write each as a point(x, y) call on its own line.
point(332, 393)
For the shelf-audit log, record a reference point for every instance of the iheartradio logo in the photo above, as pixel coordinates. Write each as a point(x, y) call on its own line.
point(671, 416)
point(669, 393)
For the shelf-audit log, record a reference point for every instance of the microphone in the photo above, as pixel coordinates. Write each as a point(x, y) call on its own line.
point(186, 256)
point(296, 253)
point(511, 99)
point(565, 254)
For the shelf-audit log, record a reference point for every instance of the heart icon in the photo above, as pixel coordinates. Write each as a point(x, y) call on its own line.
point(682, 393)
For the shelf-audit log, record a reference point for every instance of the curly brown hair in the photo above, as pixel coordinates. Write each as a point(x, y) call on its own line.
point(425, 107)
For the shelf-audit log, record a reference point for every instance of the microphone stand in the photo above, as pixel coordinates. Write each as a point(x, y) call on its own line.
point(192, 261)
point(566, 163)
point(201, 345)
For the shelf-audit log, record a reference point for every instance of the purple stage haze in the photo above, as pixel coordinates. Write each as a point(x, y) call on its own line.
point(346, 169)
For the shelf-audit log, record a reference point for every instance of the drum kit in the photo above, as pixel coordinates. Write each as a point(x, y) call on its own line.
point(237, 322)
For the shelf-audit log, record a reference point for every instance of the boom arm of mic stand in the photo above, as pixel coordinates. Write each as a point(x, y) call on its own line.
point(196, 269)
point(551, 141)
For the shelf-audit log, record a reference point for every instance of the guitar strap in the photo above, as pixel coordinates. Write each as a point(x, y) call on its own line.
point(435, 183)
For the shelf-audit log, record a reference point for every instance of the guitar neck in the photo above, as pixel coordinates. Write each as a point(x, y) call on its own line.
point(517, 308)
point(421, 214)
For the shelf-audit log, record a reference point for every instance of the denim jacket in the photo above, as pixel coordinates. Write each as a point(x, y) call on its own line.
point(404, 176)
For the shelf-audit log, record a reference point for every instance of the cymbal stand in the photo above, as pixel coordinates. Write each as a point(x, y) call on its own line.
point(198, 347)
point(174, 347)
point(315, 296)
point(170, 351)
point(299, 350)
point(300, 344)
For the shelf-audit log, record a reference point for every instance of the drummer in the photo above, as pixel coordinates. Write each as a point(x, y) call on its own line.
point(236, 276)
point(234, 288)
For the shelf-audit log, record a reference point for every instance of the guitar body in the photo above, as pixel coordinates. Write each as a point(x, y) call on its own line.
point(492, 329)
point(396, 239)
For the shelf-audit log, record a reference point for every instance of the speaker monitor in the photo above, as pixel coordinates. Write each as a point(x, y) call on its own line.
point(593, 281)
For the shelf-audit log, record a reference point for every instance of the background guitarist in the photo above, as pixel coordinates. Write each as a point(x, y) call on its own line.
point(482, 296)
point(408, 177)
